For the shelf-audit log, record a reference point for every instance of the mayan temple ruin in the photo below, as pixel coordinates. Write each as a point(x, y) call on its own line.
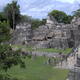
point(40, 40)
point(51, 35)
point(23, 34)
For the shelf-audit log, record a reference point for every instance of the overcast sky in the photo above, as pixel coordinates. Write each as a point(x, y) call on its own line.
point(71, 1)
point(40, 8)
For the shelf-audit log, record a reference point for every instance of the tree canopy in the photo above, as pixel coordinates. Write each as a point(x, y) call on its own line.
point(4, 31)
point(8, 57)
point(61, 16)
point(25, 18)
point(12, 12)
point(76, 13)
point(37, 22)
point(2, 17)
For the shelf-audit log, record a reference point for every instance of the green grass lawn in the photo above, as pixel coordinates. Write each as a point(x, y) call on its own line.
point(25, 48)
point(36, 69)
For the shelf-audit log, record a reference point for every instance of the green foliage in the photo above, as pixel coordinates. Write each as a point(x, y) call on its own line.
point(12, 12)
point(60, 16)
point(52, 50)
point(36, 23)
point(25, 18)
point(8, 57)
point(69, 19)
point(6, 77)
point(2, 17)
point(49, 50)
point(43, 21)
point(4, 31)
point(38, 69)
point(76, 13)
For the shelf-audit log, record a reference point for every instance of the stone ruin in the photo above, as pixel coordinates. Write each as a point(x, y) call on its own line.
point(50, 35)
point(22, 34)
point(57, 35)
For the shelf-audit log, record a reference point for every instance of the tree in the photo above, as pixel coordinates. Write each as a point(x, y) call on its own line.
point(60, 16)
point(25, 18)
point(76, 13)
point(2, 17)
point(43, 21)
point(8, 57)
point(4, 31)
point(36, 23)
point(12, 12)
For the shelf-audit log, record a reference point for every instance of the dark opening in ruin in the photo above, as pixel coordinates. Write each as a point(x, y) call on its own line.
point(71, 44)
point(23, 43)
point(78, 27)
point(72, 34)
point(49, 37)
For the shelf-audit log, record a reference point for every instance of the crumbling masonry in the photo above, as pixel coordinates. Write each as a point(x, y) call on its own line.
point(50, 35)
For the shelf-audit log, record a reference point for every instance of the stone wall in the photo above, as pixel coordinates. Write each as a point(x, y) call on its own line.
point(57, 35)
point(50, 35)
point(22, 34)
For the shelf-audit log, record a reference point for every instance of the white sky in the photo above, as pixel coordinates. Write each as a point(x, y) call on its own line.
point(70, 1)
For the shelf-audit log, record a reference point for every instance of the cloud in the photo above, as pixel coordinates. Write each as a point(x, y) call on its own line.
point(40, 8)
point(70, 1)
point(44, 9)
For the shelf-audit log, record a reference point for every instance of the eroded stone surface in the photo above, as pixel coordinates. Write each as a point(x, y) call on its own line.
point(50, 35)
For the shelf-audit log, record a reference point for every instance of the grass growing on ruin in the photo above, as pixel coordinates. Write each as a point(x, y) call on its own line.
point(49, 50)
point(37, 69)
point(66, 51)
point(22, 47)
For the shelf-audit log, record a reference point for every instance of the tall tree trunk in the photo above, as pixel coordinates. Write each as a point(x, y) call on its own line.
point(13, 18)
